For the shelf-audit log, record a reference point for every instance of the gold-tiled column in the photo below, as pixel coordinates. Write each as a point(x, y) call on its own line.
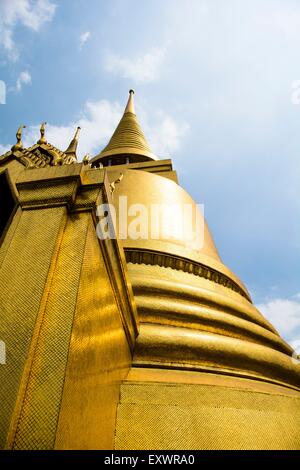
point(99, 358)
point(23, 276)
point(36, 426)
point(9, 236)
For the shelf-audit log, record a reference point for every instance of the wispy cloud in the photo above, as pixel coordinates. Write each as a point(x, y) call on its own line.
point(97, 121)
point(144, 69)
point(283, 19)
point(284, 314)
point(4, 148)
point(83, 38)
point(23, 79)
point(31, 14)
point(165, 134)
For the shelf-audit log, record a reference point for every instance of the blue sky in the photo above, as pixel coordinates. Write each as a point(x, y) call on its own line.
point(214, 91)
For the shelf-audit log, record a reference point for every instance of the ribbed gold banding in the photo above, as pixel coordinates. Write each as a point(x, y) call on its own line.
point(155, 287)
point(174, 347)
point(184, 314)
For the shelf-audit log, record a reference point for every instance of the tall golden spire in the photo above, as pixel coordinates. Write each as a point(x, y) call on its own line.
point(130, 103)
point(71, 150)
point(128, 137)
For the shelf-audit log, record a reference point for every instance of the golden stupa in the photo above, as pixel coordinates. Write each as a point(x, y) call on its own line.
point(127, 342)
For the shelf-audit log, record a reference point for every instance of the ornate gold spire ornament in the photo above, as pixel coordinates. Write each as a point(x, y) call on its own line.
point(86, 159)
point(72, 148)
point(19, 144)
point(42, 139)
point(113, 183)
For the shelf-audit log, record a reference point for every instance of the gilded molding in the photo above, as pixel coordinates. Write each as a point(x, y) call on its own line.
point(115, 259)
point(181, 264)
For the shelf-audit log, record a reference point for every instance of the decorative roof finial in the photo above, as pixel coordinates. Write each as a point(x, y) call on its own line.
point(19, 144)
point(71, 150)
point(130, 103)
point(113, 183)
point(42, 139)
point(77, 133)
point(86, 159)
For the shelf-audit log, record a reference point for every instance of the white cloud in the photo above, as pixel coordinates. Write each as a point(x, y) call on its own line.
point(4, 148)
point(24, 79)
point(143, 69)
point(83, 38)
point(283, 19)
point(165, 134)
point(284, 314)
point(98, 122)
point(31, 14)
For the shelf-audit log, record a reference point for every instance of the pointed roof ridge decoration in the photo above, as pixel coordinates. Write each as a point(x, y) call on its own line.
point(42, 153)
point(42, 139)
point(19, 144)
point(71, 150)
point(128, 137)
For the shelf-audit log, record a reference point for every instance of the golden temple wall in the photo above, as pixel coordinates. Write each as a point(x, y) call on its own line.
point(190, 410)
point(68, 336)
point(207, 370)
